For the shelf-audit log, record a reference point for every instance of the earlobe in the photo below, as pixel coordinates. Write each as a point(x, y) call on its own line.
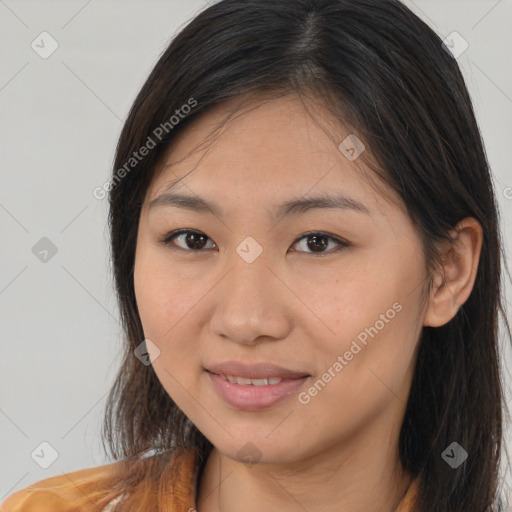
point(455, 279)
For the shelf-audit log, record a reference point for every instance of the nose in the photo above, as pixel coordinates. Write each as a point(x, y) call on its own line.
point(250, 303)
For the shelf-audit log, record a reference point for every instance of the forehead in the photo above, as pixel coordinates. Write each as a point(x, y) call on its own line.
point(265, 150)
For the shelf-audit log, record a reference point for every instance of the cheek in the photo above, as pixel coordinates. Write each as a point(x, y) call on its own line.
point(151, 297)
point(369, 320)
point(342, 308)
point(169, 302)
point(164, 296)
point(166, 306)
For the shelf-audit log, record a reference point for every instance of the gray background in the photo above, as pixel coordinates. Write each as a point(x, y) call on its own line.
point(61, 117)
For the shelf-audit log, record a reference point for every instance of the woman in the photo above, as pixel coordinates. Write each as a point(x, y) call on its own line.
point(307, 257)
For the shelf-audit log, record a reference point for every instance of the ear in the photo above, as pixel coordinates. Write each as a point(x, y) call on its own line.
point(454, 281)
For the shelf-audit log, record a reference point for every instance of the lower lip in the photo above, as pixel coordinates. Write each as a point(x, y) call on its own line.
point(254, 398)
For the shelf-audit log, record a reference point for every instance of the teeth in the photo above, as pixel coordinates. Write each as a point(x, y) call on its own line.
point(242, 380)
point(251, 382)
point(259, 382)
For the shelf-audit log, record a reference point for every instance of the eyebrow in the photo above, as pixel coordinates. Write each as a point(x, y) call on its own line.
point(291, 207)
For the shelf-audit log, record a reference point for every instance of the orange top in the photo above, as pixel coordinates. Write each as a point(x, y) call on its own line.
point(61, 493)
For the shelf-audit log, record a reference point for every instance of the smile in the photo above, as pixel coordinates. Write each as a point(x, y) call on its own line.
point(247, 394)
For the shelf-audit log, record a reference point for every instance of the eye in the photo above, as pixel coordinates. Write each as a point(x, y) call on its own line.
point(189, 239)
point(194, 241)
point(318, 241)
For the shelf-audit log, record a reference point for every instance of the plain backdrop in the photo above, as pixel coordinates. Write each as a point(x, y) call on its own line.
point(60, 120)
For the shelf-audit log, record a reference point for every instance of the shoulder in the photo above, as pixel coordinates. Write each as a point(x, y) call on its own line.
point(62, 493)
point(97, 489)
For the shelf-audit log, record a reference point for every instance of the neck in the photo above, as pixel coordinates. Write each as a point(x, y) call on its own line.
point(360, 474)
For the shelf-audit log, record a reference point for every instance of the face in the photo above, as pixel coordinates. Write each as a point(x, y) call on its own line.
point(329, 295)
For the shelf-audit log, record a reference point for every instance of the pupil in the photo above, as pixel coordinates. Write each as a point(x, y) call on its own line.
point(313, 246)
point(192, 242)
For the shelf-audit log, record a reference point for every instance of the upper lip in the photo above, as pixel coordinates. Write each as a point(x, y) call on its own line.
point(254, 371)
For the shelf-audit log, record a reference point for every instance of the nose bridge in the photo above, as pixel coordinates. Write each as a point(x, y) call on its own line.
point(249, 284)
point(248, 303)
point(249, 278)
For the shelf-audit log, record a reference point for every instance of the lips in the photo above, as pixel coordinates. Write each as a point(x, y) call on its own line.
point(253, 387)
point(257, 371)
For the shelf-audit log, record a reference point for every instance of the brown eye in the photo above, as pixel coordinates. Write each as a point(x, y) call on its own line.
point(316, 243)
point(187, 239)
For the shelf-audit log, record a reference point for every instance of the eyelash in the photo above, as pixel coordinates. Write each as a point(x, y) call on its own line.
point(341, 243)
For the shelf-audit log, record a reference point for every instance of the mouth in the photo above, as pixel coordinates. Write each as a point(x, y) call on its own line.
point(259, 387)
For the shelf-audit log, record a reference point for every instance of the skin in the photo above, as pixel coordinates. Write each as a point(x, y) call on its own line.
point(293, 307)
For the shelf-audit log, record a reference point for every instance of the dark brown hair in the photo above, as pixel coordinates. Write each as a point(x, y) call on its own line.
point(384, 72)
